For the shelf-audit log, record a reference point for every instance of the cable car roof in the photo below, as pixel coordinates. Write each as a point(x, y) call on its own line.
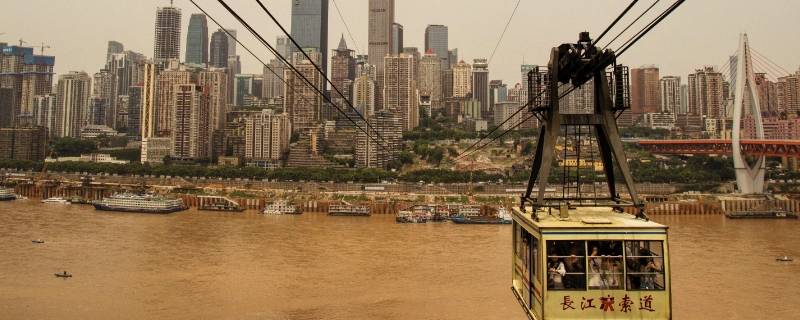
point(584, 218)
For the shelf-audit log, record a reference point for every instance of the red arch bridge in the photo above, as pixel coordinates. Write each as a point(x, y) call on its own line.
point(769, 148)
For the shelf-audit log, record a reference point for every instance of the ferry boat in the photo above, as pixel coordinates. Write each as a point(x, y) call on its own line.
point(127, 202)
point(281, 207)
point(215, 203)
point(349, 210)
point(56, 200)
point(7, 195)
point(410, 217)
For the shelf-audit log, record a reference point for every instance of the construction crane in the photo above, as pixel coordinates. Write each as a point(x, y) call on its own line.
point(21, 42)
point(44, 46)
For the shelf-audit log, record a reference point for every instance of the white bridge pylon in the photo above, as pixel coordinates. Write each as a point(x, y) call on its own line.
point(749, 177)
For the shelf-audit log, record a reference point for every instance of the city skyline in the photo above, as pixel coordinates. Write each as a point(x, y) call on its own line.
point(83, 50)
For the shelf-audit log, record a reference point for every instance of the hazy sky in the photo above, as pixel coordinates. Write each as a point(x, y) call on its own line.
point(701, 32)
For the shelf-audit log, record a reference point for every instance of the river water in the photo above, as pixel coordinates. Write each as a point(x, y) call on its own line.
point(200, 265)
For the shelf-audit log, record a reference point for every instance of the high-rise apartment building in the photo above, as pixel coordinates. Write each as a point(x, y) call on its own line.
point(44, 112)
point(436, 41)
point(462, 80)
point(168, 80)
point(218, 53)
point(372, 152)
point(167, 34)
point(401, 96)
point(301, 102)
point(267, 136)
point(72, 101)
point(381, 20)
point(429, 78)
point(364, 95)
point(480, 86)
point(197, 40)
point(273, 79)
point(242, 87)
point(705, 94)
point(788, 94)
point(214, 84)
point(103, 92)
point(25, 75)
point(645, 90)
point(670, 94)
point(310, 28)
point(148, 101)
point(191, 135)
point(28, 144)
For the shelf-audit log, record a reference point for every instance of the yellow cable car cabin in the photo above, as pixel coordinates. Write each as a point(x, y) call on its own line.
point(590, 263)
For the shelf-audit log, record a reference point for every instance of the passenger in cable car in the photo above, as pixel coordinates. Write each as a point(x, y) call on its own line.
point(556, 272)
point(575, 278)
point(595, 270)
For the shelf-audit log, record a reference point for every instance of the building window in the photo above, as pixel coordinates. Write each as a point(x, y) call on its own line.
point(645, 265)
point(605, 267)
point(566, 269)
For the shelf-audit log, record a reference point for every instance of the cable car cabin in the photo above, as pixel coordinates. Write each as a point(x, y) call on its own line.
point(590, 263)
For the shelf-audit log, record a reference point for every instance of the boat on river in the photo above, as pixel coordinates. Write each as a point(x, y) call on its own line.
point(128, 202)
point(56, 200)
point(216, 203)
point(7, 195)
point(281, 207)
point(348, 210)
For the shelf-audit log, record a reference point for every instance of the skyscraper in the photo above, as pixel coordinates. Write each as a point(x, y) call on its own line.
point(670, 94)
point(397, 38)
point(310, 27)
point(72, 101)
point(436, 40)
point(645, 90)
point(401, 96)
point(219, 49)
point(114, 47)
point(381, 20)
point(273, 83)
point(343, 73)
point(242, 87)
point(167, 34)
point(480, 85)
point(377, 153)
point(231, 34)
point(103, 92)
point(197, 40)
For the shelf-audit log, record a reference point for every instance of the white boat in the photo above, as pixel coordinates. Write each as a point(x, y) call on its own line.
point(7, 195)
point(128, 202)
point(56, 200)
point(280, 207)
point(503, 214)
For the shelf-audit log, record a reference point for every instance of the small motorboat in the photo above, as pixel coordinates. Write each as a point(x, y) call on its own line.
point(56, 200)
point(785, 259)
point(63, 275)
point(37, 241)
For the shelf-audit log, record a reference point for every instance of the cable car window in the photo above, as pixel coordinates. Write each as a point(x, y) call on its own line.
point(645, 265)
point(566, 269)
point(605, 268)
